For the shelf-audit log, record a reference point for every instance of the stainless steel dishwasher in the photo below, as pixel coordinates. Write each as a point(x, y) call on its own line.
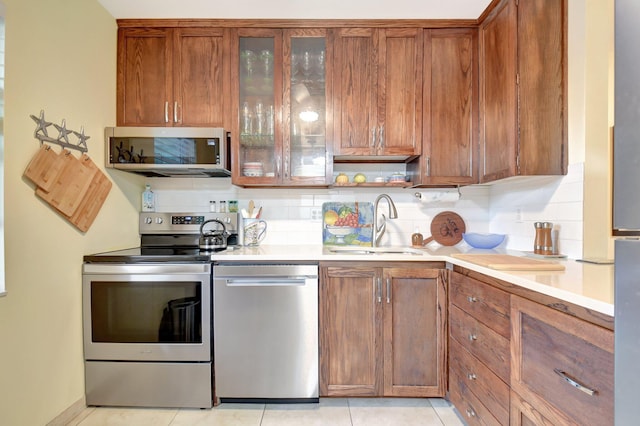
point(266, 332)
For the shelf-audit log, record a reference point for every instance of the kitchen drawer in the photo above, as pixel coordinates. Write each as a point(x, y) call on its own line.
point(482, 301)
point(492, 392)
point(551, 348)
point(485, 344)
point(468, 404)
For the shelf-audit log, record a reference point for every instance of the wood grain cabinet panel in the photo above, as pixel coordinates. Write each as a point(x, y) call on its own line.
point(484, 343)
point(382, 331)
point(523, 101)
point(469, 405)
point(378, 92)
point(144, 79)
point(479, 352)
point(450, 109)
point(492, 392)
point(414, 336)
point(488, 304)
point(562, 367)
point(351, 336)
point(173, 77)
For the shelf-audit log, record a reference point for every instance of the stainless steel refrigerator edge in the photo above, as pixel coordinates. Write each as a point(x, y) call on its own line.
point(626, 210)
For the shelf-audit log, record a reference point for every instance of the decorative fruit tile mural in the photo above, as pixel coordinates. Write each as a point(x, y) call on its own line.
point(347, 224)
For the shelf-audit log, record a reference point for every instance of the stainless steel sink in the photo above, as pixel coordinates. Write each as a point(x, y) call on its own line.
point(376, 250)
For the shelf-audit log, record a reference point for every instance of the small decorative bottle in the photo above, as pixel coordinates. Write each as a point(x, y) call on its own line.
point(417, 240)
point(148, 199)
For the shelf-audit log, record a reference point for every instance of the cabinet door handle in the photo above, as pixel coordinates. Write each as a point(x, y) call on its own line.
point(378, 281)
point(382, 136)
point(471, 412)
point(428, 166)
point(472, 376)
point(575, 383)
point(373, 137)
point(278, 166)
point(175, 112)
point(473, 337)
point(388, 290)
point(472, 299)
point(166, 111)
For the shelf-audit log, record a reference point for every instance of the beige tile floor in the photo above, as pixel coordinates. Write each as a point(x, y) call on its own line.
point(330, 411)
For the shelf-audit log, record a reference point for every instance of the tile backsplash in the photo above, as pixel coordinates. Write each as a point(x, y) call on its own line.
point(295, 215)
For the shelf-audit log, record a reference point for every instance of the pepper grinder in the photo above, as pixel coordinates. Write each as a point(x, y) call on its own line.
point(537, 243)
point(543, 243)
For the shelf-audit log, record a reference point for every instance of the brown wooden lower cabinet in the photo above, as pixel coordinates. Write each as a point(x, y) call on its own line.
point(382, 330)
point(562, 367)
point(479, 351)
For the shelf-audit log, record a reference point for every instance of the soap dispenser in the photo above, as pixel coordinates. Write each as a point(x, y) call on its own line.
point(148, 199)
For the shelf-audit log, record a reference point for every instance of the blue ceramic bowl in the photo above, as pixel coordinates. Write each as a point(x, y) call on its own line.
point(483, 241)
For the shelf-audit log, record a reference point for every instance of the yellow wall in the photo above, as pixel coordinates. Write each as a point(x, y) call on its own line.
point(598, 119)
point(60, 57)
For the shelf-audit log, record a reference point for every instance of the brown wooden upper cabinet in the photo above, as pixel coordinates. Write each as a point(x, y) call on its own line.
point(377, 93)
point(523, 101)
point(450, 109)
point(173, 77)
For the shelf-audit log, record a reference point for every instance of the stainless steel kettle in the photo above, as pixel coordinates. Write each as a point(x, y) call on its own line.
point(213, 239)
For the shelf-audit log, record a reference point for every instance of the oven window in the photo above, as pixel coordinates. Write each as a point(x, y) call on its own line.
point(153, 312)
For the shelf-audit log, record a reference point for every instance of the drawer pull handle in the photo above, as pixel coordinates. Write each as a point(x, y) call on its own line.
point(472, 376)
point(472, 299)
point(470, 412)
point(473, 337)
point(574, 383)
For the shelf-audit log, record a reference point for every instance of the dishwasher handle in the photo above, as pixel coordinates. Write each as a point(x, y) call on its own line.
point(264, 281)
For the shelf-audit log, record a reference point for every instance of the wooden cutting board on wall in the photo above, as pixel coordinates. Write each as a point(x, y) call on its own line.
point(507, 262)
point(93, 200)
point(44, 167)
point(75, 188)
point(71, 185)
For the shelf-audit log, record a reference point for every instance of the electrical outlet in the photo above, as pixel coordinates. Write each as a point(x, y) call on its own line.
point(316, 213)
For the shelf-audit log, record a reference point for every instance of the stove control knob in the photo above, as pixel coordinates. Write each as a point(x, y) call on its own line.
point(159, 220)
point(148, 220)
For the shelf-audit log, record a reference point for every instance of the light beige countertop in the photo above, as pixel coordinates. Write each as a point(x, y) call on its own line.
point(583, 284)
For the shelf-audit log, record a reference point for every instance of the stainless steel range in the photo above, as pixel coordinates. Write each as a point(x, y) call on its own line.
point(147, 316)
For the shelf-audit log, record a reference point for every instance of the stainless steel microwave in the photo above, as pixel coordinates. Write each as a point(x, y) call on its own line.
point(169, 151)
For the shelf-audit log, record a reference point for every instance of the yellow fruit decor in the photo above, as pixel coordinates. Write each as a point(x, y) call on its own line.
point(342, 178)
point(360, 178)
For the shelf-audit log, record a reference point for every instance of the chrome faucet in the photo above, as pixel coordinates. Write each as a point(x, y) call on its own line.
point(378, 230)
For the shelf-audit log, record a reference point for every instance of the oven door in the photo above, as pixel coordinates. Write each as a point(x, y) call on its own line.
point(147, 312)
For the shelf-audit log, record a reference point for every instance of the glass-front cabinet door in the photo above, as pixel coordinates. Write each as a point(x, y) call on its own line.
point(282, 108)
point(306, 110)
point(258, 158)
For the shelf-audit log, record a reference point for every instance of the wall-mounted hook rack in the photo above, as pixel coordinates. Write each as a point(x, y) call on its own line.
point(63, 134)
